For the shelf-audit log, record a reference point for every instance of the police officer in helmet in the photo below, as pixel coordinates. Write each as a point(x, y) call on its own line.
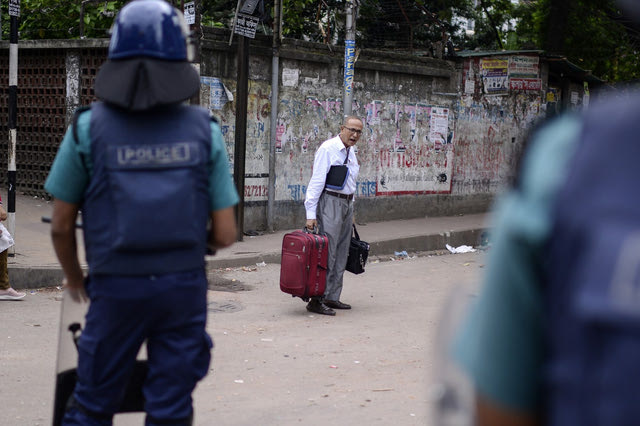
point(151, 177)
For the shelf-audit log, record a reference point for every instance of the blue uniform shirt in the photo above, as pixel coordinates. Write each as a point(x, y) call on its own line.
point(500, 346)
point(69, 178)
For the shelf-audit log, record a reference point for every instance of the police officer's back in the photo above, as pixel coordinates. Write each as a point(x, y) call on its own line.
point(151, 177)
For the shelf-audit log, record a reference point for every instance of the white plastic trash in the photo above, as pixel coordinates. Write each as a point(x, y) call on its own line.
point(460, 249)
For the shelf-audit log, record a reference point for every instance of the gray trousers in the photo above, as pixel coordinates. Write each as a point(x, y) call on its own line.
point(335, 218)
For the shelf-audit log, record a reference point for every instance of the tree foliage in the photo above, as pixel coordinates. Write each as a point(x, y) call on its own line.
point(407, 25)
point(218, 13)
point(593, 34)
point(54, 19)
point(494, 26)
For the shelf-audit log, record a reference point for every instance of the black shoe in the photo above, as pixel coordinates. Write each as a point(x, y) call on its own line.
point(336, 304)
point(320, 308)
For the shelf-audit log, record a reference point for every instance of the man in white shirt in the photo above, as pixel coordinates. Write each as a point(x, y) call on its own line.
point(331, 210)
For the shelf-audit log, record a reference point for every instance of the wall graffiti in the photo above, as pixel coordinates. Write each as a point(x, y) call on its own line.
point(407, 147)
point(490, 132)
point(256, 188)
point(297, 192)
point(363, 189)
point(366, 188)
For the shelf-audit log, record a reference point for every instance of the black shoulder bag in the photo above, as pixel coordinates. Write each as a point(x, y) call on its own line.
point(337, 175)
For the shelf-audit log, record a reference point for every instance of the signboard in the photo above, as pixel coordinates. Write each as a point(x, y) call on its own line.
point(246, 25)
point(525, 84)
point(524, 66)
point(190, 12)
point(14, 7)
point(249, 6)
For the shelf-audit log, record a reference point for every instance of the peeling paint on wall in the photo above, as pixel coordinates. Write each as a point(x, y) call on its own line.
point(257, 134)
point(398, 152)
point(462, 145)
point(406, 148)
point(401, 98)
point(489, 139)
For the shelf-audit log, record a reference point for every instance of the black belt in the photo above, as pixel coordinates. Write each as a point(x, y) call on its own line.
point(339, 195)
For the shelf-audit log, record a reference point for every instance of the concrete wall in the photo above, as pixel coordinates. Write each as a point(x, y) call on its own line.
point(428, 148)
point(438, 140)
point(493, 122)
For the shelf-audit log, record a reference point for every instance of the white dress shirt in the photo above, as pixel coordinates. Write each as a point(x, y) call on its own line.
point(332, 152)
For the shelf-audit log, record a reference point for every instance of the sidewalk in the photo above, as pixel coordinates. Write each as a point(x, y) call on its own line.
point(34, 263)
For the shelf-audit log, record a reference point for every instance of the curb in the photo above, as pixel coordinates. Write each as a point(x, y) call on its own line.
point(30, 277)
point(50, 276)
point(418, 243)
point(431, 242)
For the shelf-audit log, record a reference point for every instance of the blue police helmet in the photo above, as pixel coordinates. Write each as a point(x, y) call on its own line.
point(149, 28)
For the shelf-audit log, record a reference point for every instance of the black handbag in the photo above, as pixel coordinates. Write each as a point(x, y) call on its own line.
point(358, 253)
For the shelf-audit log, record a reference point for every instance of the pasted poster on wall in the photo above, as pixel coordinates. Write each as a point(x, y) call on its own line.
point(524, 73)
point(217, 95)
point(424, 164)
point(495, 76)
point(524, 66)
point(396, 152)
point(290, 77)
point(438, 127)
point(525, 84)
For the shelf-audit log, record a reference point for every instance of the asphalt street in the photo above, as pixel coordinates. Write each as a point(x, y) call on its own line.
point(274, 363)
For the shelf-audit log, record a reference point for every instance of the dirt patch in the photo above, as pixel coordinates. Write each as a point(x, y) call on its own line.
point(219, 282)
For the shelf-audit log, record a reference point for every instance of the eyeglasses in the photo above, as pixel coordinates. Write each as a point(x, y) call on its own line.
point(355, 131)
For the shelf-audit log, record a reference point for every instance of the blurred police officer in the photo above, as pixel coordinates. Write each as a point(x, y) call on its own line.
point(554, 338)
point(150, 175)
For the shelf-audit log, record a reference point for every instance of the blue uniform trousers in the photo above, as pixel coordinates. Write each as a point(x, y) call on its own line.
point(169, 313)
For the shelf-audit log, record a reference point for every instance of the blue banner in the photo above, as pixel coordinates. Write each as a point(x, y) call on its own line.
point(349, 62)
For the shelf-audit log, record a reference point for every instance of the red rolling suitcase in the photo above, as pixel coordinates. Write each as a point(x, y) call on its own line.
point(303, 268)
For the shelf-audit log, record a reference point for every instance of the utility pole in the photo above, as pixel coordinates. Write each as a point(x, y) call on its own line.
point(275, 72)
point(192, 13)
point(242, 91)
point(349, 59)
point(14, 12)
point(244, 26)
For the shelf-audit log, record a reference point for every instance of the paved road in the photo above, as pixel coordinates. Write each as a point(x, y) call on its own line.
point(274, 363)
